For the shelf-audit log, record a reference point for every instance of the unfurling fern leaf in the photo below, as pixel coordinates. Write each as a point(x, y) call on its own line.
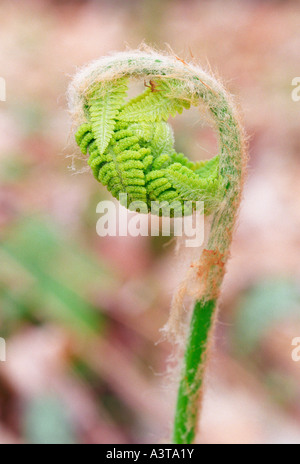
point(131, 150)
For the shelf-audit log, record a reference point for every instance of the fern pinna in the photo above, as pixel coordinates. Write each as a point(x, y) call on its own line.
point(131, 150)
point(131, 147)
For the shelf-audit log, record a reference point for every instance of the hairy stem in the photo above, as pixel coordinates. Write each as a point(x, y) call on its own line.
point(211, 271)
point(186, 416)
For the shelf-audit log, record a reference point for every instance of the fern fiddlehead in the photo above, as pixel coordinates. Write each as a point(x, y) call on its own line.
point(131, 150)
point(131, 147)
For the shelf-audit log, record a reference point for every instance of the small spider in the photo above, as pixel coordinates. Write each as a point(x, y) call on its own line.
point(152, 86)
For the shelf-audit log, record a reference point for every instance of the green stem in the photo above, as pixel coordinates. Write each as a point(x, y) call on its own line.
point(186, 417)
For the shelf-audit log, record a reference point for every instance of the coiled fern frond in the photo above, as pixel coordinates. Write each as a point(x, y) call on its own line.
point(131, 150)
point(131, 147)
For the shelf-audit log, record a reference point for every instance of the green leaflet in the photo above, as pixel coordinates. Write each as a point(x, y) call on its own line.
point(209, 168)
point(163, 139)
point(155, 106)
point(132, 150)
point(143, 130)
point(104, 105)
point(193, 187)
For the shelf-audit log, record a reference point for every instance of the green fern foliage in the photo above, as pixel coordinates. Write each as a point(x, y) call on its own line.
point(157, 105)
point(131, 148)
point(104, 105)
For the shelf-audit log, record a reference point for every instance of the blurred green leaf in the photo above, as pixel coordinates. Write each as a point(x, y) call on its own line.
point(57, 276)
point(262, 307)
point(46, 423)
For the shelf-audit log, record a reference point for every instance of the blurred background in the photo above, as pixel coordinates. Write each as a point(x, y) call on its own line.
point(81, 314)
